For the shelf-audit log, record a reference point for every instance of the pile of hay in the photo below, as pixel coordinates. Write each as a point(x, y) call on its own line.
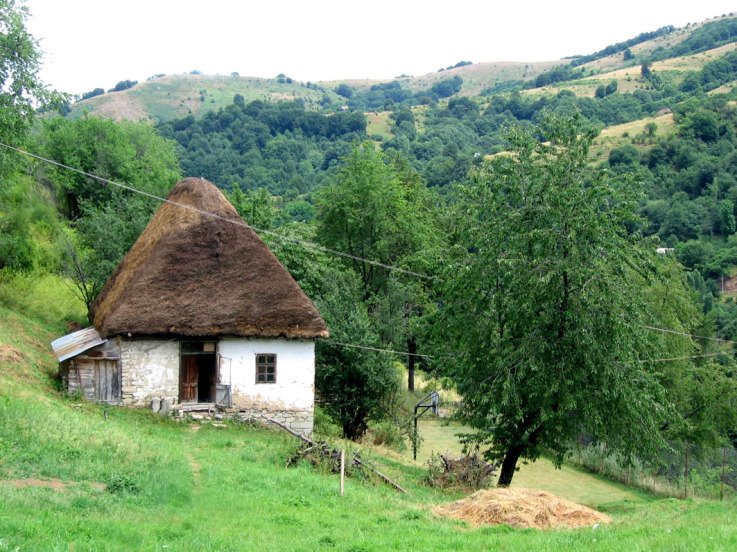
point(521, 508)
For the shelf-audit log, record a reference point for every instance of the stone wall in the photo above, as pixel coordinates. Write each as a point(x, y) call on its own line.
point(299, 421)
point(150, 369)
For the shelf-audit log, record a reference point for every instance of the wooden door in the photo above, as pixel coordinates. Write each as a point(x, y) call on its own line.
point(106, 379)
point(188, 386)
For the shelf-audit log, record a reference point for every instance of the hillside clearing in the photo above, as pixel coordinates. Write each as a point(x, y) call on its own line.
point(630, 133)
point(630, 78)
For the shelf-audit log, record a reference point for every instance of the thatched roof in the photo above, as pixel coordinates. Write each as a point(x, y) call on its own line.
point(197, 275)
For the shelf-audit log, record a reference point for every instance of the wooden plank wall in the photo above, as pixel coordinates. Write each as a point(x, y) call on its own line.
point(96, 379)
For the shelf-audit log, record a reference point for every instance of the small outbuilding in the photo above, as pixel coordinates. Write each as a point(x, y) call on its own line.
point(199, 315)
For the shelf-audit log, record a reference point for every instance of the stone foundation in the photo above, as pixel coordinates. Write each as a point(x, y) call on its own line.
point(299, 421)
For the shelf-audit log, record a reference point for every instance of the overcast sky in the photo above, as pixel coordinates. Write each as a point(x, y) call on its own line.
point(96, 43)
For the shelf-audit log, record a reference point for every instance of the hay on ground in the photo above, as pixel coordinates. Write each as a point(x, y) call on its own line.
point(10, 354)
point(521, 507)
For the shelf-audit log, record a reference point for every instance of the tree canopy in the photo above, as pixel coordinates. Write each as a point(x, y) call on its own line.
point(546, 302)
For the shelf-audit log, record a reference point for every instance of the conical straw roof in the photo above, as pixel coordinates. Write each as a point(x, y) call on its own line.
point(197, 275)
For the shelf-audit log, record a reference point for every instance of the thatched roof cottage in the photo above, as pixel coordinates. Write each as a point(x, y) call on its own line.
point(199, 314)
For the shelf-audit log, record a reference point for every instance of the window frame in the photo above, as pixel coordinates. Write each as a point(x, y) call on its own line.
point(265, 365)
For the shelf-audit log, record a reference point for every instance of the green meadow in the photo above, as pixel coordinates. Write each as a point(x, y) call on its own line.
point(80, 476)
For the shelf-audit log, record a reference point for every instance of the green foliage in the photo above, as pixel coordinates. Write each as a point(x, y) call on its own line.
point(623, 46)
point(123, 85)
point(108, 219)
point(708, 36)
point(447, 87)
point(29, 228)
point(92, 93)
point(353, 386)
point(279, 146)
point(542, 245)
point(557, 74)
point(256, 207)
point(20, 87)
point(344, 90)
point(369, 212)
point(387, 433)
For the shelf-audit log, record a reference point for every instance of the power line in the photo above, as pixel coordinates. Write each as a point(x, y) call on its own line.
point(667, 330)
point(313, 245)
point(354, 346)
point(684, 357)
point(304, 243)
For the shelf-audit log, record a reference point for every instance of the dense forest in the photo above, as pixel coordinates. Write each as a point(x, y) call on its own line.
point(472, 225)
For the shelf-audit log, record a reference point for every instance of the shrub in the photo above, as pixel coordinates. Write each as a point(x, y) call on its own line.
point(467, 473)
point(388, 434)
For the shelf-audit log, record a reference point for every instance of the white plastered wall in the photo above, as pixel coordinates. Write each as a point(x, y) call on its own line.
point(295, 373)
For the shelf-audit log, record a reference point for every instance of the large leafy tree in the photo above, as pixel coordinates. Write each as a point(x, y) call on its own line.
point(354, 385)
point(365, 213)
point(20, 87)
point(546, 304)
point(379, 209)
point(24, 214)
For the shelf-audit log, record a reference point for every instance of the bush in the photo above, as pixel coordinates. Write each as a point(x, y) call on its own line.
point(325, 426)
point(467, 473)
point(388, 434)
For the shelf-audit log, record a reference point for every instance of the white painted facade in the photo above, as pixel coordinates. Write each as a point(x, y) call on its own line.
point(150, 370)
point(294, 388)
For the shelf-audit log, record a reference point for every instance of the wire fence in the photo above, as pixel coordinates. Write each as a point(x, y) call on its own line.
point(682, 470)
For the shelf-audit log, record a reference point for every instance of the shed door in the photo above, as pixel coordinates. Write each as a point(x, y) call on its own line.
point(106, 374)
point(188, 391)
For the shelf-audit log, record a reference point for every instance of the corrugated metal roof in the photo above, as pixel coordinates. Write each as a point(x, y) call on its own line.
point(76, 343)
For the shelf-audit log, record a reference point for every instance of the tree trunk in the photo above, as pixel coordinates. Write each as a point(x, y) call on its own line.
point(411, 350)
point(508, 466)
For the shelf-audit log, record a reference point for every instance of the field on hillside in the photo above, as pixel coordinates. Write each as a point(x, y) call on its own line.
point(629, 78)
point(633, 133)
point(176, 96)
point(81, 476)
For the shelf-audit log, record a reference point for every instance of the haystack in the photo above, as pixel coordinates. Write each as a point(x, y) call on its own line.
point(200, 270)
point(521, 507)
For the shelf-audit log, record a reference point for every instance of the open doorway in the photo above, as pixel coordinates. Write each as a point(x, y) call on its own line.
point(197, 372)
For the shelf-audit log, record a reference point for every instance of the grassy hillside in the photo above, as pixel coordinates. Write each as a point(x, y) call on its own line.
point(176, 96)
point(75, 475)
point(633, 133)
point(629, 77)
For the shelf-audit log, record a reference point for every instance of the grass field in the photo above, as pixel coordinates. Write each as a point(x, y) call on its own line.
point(630, 133)
point(439, 437)
point(174, 96)
point(80, 476)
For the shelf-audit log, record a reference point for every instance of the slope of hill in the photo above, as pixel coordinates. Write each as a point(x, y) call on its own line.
point(170, 97)
point(75, 475)
point(175, 96)
point(630, 78)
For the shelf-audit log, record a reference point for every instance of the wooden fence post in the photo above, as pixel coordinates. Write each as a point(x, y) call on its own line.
point(342, 471)
point(724, 464)
point(685, 475)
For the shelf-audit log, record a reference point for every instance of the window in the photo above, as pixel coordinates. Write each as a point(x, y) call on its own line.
point(265, 368)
